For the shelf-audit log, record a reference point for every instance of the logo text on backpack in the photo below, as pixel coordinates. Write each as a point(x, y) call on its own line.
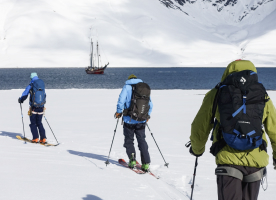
point(243, 122)
point(143, 109)
point(243, 80)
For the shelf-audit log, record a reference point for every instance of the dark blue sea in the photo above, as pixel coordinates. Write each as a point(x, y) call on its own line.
point(114, 78)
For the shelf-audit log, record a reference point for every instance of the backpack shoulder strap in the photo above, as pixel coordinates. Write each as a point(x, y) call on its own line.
point(215, 103)
point(133, 86)
point(126, 110)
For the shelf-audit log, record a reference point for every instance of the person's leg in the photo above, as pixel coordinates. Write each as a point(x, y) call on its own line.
point(33, 126)
point(142, 144)
point(239, 190)
point(40, 126)
point(250, 191)
point(129, 139)
point(229, 188)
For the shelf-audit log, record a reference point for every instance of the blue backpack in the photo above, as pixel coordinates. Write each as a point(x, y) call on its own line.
point(241, 100)
point(38, 95)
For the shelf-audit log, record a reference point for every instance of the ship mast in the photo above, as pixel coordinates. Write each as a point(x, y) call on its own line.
point(91, 55)
point(98, 54)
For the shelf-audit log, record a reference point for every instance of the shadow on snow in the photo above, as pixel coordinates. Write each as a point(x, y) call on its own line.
point(91, 197)
point(9, 134)
point(94, 156)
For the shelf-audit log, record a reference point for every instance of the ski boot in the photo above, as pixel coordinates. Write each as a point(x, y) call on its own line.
point(145, 167)
point(35, 140)
point(132, 161)
point(43, 141)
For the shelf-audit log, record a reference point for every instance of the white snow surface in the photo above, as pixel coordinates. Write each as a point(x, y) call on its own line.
point(144, 33)
point(84, 127)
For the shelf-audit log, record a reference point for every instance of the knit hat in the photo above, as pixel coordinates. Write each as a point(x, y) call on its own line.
point(33, 75)
point(131, 76)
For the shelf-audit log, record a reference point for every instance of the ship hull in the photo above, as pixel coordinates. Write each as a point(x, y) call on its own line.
point(95, 71)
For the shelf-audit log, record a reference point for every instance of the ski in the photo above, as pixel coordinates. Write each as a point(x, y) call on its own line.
point(28, 140)
point(137, 169)
point(138, 166)
point(123, 162)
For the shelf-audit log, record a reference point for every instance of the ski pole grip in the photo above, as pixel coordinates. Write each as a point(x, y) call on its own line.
point(188, 144)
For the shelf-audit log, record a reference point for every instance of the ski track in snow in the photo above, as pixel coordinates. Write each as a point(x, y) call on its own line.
point(161, 187)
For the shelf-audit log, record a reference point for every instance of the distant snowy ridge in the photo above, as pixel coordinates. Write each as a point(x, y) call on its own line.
point(233, 12)
point(155, 33)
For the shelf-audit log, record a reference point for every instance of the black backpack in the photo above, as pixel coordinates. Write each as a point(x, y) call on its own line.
point(139, 106)
point(241, 100)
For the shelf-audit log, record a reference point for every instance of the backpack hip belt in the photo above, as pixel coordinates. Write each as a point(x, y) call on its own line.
point(37, 113)
point(231, 171)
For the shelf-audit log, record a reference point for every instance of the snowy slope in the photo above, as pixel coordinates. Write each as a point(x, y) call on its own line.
point(224, 12)
point(76, 169)
point(55, 33)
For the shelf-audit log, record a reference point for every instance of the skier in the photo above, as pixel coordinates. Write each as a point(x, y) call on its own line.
point(132, 126)
point(239, 171)
point(36, 88)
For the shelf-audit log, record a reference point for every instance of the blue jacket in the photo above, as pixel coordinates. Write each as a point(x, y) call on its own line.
point(27, 91)
point(125, 100)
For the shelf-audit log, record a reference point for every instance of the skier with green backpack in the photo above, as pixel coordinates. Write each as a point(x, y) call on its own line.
point(135, 105)
point(238, 110)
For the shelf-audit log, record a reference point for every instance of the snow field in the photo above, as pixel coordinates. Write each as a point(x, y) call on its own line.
point(83, 123)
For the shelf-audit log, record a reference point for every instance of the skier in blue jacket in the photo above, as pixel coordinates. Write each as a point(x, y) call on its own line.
point(36, 111)
point(132, 126)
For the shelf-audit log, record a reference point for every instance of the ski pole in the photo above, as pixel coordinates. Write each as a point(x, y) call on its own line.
point(192, 186)
point(107, 162)
point(51, 129)
point(188, 144)
point(22, 121)
point(166, 164)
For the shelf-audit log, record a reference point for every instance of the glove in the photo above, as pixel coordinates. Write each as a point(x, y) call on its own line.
point(192, 153)
point(274, 163)
point(117, 115)
point(30, 111)
point(19, 100)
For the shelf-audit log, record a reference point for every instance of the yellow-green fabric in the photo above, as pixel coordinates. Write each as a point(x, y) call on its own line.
point(201, 127)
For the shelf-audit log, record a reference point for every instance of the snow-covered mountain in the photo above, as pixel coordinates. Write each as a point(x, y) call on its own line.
point(224, 12)
point(154, 33)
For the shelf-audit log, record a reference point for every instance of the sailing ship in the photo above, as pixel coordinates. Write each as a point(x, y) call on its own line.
point(93, 68)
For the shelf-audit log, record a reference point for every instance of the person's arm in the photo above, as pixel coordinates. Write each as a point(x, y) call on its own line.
point(151, 106)
point(201, 125)
point(25, 93)
point(122, 100)
point(270, 125)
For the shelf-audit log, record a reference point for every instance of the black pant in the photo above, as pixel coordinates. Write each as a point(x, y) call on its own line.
point(230, 188)
point(139, 130)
